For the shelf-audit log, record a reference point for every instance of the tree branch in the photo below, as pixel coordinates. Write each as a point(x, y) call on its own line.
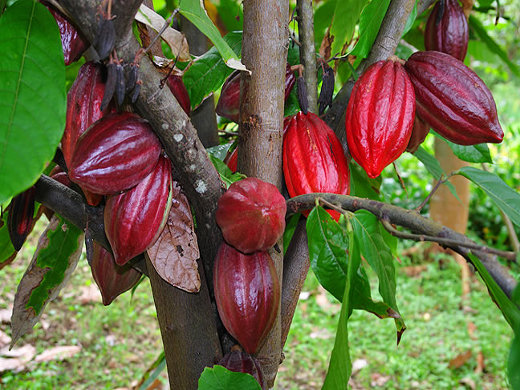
point(308, 51)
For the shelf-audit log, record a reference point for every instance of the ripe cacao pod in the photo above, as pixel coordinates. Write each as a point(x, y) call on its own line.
point(380, 115)
point(237, 360)
point(135, 218)
point(232, 161)
point(180, 92)
point(114, 154)
point(251, 215)
point(20, 218)
point(111, 279)
point(419, 132)
point(313, 158)
point(452, 99)
point(72, 43)
point(228, 105)
point(447, 29)
point(247, 292)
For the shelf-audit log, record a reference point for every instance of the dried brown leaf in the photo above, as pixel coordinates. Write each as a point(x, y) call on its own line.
point(326, 45)
point(459, 360)
point(174, 255)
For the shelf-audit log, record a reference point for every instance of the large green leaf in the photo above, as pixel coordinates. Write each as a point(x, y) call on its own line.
point(6, 247)
point(361, 185)
point(209, 71)
point(513, 364)
point(220, 378)
point(471, 153)
point(32, 94)
point(290, 228)
point(507, 199)
point(369, 24)
point(345, 17)
point(433, 166)
point(195, 13)
point(231, 14)
point(477, 27)
point(411, 19)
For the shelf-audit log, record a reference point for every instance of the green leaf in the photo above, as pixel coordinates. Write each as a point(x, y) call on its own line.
point(6, 247)
point(345, 17)
point(509, 310)
point(209, 71)
point(507, 199)
point(323, 13)
point(230, 12)
point(225, 173)
point(195, 13)
point(32, 94)
point(433, 166)
point(153, 371)
point(477, 27)
point(288, 233)
point(219, 151)
point(369, 24)
point(471, 153)
point(361, 185)
point(411, 19)
point(220, 378)
point(513, 363)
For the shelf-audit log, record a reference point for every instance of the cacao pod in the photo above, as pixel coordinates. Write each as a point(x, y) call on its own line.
point(247, 292)
point(452, 99)
point(237, 360)
point(419, 132)
point(111, 279)
point(447, 29)
point(251, 215)
point(72, 43)
point(114, 154)
point(232, 161)
point(380, 115)
point(180, 92)
point(228, 105)
point(135, 218)
point(313, 158)
point(20, 218)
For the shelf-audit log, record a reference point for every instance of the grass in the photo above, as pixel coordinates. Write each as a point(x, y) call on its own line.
point(119, 342)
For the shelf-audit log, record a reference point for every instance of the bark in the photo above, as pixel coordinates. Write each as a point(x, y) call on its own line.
point(264, 53)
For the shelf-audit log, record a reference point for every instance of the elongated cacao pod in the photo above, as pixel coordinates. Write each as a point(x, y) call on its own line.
point(72, 42)
point(452, 99)
point(232, 161)
point(115, 154)
point(237, 360)
point(247, 292)
point(447, 29)
point(419, 132)
point(20, 217)
point(380, 116)
point(111, 279)
point(180, 92)
point(313, 158)
point(135, 218)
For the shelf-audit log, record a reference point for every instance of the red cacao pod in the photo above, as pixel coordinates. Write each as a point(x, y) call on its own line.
point(20, 217)
point(115, 154)
point(232, 161)
point(237, 360)
point(251, 215)
point(419, 132)
point(452, 99)
point(313, 158)
point(247, 292)
point(71, 41)
point(180, 92)
point(111, 279)
point(380, 115)
point(83, 106)
point(447, 29)
point(135, 218)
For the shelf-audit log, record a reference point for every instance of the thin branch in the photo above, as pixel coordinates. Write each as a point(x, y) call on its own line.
point(442, 180)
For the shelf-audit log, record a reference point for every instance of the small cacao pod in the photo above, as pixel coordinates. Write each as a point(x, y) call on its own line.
point(115, 154)
point(452, 99)
point(447, 29)
point(419, 132)
point(380, 115)
point(232, 161)
point(106, 38)
point(111, 279)
point(237, 360)
point(313, 158)
point(251, 215)
point(135, 218)
point(180, 92)
point(20, 218)
point(247, 292)
point(72, 43)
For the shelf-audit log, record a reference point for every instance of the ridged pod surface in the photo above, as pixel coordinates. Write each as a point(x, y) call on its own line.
point(135, 218)
point(313, 158)
point(452, 99)
point(20, 217)
point(251, 215)
point(72, 43)
point(419, 132)
point(115, 154)
point(447, 29)
point(111, 279)
point(380, 115)
point(180, 92)
point(240, 361)
point(247, 292)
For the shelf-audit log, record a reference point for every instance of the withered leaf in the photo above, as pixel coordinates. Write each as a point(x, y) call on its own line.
point(174, 255)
